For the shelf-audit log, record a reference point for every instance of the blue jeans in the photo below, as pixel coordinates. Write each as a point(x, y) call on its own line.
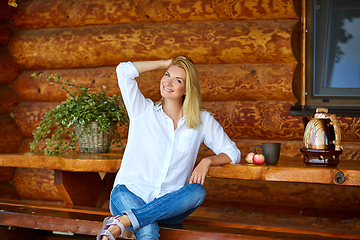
point(172, 208)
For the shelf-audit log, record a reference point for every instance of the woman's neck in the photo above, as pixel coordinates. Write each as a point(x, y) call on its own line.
point(173, 110)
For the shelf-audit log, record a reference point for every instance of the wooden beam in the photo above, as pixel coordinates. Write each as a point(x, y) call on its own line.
point(50, 14)
point(220, 82)
point(205, 42)
point(265, 120)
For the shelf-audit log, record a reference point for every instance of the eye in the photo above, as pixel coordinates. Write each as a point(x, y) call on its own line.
point(167, 74)
point(178, 80)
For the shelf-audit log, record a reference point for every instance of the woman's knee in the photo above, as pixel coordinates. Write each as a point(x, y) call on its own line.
point(198, 190)
point(121, 199)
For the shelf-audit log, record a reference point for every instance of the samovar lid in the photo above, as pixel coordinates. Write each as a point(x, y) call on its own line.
point(321, 113)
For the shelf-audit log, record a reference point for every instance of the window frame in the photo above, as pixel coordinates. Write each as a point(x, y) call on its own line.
point(340, 105)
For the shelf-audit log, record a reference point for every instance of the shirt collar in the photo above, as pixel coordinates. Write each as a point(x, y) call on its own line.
point(158, 107)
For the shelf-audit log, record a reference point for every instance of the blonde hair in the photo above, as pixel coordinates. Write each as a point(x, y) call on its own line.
point(192, 100)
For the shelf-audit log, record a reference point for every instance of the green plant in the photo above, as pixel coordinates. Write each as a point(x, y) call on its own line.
point(80, 108)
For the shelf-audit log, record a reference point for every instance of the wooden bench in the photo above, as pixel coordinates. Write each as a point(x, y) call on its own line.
point(287, 201)
point(88, 221)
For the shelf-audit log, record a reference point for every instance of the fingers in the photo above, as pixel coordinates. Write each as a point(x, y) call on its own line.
point(197, 178)
point(168, 62)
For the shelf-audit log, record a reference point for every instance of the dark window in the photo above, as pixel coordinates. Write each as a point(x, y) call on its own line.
point(336, 65)
point(333, 56)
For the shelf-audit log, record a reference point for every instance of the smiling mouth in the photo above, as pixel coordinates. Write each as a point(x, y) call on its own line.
point(168, 90)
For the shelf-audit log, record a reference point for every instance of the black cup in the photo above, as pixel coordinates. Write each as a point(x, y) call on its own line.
point(271, 152)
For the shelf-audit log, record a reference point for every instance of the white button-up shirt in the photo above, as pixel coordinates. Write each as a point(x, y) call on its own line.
point(158, 159)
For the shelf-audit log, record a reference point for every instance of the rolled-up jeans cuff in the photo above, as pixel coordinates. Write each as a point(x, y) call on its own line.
point(133, 219)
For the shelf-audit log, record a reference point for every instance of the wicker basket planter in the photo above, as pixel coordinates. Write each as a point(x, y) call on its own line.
point(97, 110)
point(91, 140)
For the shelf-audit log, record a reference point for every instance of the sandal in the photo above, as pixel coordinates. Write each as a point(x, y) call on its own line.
point(107, 223)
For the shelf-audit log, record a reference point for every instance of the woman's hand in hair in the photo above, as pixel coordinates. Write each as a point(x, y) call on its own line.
point(168, 63)
point(200, 171)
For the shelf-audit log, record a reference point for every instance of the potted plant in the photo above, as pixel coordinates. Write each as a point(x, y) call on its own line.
point(88, 118)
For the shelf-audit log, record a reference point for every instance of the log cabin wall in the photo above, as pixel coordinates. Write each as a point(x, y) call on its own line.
point(247, 53)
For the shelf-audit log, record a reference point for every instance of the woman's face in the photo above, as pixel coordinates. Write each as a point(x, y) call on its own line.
point(173, 83)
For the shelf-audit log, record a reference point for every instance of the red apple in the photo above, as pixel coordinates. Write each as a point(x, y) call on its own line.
point(249, 157)
point(258, 159)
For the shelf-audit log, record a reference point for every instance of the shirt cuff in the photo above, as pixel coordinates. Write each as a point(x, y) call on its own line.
point(128, 69)
point(234, 155)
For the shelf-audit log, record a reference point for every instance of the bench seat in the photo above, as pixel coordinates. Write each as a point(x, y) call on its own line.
point(205, 223)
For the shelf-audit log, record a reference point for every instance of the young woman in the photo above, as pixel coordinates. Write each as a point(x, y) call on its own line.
point(157, 182)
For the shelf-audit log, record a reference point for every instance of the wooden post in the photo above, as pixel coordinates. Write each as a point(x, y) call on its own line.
point(303, 52)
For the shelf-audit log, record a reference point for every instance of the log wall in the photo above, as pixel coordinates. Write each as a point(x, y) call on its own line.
point(247, 54)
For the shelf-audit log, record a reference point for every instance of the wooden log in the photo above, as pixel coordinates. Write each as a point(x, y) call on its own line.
point(28, 115)
point(290, 148)
point(36, 183)
point(246, 82)
point(257, 120)
point(205, 42)
point(241, 119)
point(220, 82)
point(11, 138)
point(6, 29)
point(50, 14)
point(296, 85)
point(8, 67)
point(30, 89)
point(8, 99)
point(270, 120)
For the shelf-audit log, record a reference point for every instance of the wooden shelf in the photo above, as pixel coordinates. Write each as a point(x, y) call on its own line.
point(292, 170)
point(287, 170)
point(73, 162)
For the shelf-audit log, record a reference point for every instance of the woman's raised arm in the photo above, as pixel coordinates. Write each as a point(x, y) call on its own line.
point(145, 66)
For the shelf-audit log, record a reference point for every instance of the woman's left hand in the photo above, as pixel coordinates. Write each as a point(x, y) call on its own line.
point(200, 171)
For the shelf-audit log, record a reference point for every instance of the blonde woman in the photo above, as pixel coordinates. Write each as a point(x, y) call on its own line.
point(157, 181)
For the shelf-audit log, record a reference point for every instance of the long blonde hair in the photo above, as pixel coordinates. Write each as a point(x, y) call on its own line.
point(192, 100)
